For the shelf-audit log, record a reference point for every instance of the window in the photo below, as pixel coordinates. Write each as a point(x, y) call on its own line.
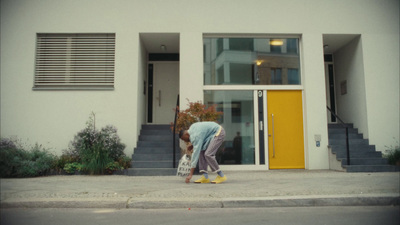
point(241, 44)
point(276, 45)
point(293, 76)
point(240, 73)
point(251, 61)
point(75, 61)
point(276, 76)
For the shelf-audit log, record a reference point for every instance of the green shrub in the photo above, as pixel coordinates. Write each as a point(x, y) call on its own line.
point(124, 162)
point(15, 161)
point(71, 168)
point(42, 160)
point(393, 155)
point(113, 166)
point(196, 112)
point(96, 148)
point(64, 159)
point(10, 157)
point(95, 158)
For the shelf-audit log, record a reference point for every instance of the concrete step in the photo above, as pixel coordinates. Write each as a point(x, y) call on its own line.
point(353, 148)
point(342, 131)
point(342, 141)
point(364, 161)
point(156, 138)
point(155, 143)
point(156, 132)
point(342, 136)
point(363, 156)
point(153, 157)
point(156, 127)
point(343, 154)
point(154, 164)
point(371, 168)
point(339, 125)
point(151, 171)
point(156, 150)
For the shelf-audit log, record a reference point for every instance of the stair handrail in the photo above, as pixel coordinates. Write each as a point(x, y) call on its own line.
point(174, 133)
point(347, 133)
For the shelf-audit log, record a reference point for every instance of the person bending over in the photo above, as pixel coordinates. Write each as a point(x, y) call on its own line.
point(206, 138)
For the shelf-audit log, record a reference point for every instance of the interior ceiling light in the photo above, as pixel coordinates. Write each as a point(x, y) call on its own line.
point(163, 47)
point(276, 42)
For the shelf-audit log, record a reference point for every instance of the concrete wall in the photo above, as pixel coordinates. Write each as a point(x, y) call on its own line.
point(315, 122)
point(141, 96)
point(53, 117)
point(349, 75)
point(382, 81)
point(191, 67)
point(370, 65)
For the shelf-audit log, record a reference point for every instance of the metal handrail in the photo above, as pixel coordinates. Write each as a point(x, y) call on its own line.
point(174, 133)
point(347, 134)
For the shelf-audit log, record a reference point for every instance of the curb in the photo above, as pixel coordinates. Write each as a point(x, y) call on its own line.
point(258, 202)
point(310, 201)
point(264, 202)
point(66, 203)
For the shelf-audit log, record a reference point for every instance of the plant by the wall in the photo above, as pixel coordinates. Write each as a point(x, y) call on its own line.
point(124, 162)
point(196, 112)
point(71, 168)
point(16, 161)
point(65, 158)
point(113, 166)
point(96, 148)
point(393, 155)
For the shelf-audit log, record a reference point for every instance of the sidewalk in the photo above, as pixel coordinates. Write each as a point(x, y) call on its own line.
point(243, 189)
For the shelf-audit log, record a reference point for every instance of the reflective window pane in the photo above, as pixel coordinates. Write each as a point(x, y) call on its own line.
point(238, 122)
point(251, 61)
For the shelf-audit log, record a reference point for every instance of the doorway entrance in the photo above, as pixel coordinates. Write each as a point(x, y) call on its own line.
point(163, 91)
point(330, 88)
point(160, 53)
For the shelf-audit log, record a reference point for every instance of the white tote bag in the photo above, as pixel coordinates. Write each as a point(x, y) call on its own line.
point(184, 166)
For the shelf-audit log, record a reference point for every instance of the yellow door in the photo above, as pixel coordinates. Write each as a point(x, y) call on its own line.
point(285, 130)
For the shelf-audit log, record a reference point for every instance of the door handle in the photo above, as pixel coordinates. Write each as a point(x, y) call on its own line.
point(159, 98)
point(273, 136)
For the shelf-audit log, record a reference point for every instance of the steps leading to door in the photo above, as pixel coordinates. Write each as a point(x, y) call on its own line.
point(153, 155)
point(363, 156)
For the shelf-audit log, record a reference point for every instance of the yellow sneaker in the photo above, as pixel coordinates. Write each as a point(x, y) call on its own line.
point(219, 179)
point(202, 180)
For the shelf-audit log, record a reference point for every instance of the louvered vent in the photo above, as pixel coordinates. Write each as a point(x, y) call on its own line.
point(75, 61)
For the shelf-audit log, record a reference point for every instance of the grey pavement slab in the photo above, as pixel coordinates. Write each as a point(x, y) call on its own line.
point(243, 189)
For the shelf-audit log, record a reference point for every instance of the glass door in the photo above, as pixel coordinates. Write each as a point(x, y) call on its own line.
point(238, 121)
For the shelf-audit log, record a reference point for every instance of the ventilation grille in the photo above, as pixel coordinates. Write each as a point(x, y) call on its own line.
point(75, 61)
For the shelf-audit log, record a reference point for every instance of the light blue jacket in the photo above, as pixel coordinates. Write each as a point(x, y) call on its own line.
point(201, 134)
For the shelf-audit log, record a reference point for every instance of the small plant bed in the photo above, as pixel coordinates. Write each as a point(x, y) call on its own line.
point(92, 152)
point(95, 151)
point(17, 160)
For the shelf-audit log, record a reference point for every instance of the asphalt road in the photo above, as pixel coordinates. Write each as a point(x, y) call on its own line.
point(290, 215)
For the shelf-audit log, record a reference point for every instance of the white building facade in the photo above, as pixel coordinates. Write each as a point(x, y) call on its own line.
point(260, 62)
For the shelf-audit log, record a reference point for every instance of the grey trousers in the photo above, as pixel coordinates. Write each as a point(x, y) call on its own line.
point(207, 157)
